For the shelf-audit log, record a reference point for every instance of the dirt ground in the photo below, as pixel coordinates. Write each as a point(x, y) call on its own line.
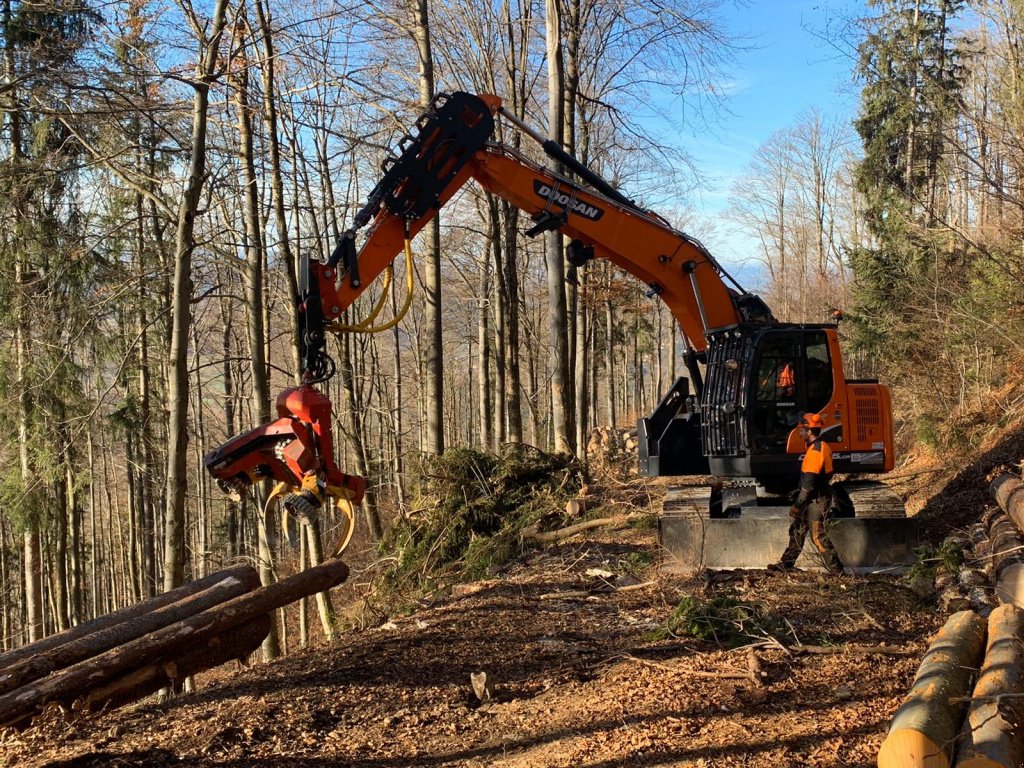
point(578, 680)
point(580, 675)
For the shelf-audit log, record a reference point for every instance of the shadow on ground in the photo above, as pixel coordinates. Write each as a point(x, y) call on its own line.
point(962, 499)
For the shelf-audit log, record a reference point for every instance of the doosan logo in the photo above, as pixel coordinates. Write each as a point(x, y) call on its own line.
point(563, 199)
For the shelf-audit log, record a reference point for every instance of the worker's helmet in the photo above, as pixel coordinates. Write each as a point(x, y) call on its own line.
point(811, 420)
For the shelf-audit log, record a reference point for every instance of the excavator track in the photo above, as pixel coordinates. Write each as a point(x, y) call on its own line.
point(878, 537)
point(871, 498)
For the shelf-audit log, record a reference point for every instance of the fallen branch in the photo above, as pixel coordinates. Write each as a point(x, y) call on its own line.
point(575, 594)
point(547, 537)
point(582, 593)
point(905, 475)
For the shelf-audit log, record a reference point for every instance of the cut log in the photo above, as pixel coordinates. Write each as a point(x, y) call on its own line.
point(67, 654)
point(979, 541)
point(122, 615)
point(990, 737)
point(1007, 545)
point(924, 728)
point(1010, 586)
point(577, 507)
point(1007, 491)
point(77, 681)
point(236, 644)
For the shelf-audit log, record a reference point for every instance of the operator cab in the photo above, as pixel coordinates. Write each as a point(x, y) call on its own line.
point(759, 382)
point(743, 424)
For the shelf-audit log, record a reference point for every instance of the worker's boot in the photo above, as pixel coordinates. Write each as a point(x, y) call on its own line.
point(823, 544)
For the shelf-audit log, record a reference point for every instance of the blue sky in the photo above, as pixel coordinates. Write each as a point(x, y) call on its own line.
point(789, 68)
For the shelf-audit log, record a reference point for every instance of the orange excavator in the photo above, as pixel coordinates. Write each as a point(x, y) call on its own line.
point(750, 376)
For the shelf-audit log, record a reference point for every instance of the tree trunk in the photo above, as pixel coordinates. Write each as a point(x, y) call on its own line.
point(557, 313)
point(253, 271)
point(483, 355)
point(323, 599)
point(276, 176)
point(177, 386)
point(609, 350)
point(434, 362)
point(354, 434)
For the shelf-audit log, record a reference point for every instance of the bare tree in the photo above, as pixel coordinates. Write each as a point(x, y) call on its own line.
point(177, 391)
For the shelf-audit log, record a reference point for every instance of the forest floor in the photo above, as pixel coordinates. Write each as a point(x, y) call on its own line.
point(582, 671)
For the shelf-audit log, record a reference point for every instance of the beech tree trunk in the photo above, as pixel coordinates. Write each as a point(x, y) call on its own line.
point(181, 313)
point(924, 728)
point(990, 737)
point(557, 313)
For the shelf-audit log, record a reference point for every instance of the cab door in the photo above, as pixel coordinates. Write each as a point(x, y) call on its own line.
point(792, 376)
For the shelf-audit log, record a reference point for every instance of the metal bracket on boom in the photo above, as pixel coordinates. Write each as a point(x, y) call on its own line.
point(446, 137)
point(545, 221)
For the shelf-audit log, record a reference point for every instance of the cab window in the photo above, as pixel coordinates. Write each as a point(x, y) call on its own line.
point(777, 370)
point(817, 371)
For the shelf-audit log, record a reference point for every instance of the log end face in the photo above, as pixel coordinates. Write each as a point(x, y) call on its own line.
point(909, 748)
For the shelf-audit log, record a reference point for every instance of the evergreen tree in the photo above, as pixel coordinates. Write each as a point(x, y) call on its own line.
point(42, 261)
point(910, 67)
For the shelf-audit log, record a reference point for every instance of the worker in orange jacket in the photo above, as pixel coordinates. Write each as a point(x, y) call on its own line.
point(814, 498)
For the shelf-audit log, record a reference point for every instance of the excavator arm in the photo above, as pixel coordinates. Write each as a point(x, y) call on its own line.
point(452, 145)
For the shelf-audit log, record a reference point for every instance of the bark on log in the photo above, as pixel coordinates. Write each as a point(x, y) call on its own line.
point(74, 682)
point(924, 728)
point(122, 615)
point(1007, 545)
point(1010, 587)
point(236, 644)
point(979, 541)
point(1007, 491)
point(67, 654)
point(1007, 541)
point(990, 737)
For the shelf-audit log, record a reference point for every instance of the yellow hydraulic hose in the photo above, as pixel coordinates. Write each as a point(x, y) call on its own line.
point(365, 325)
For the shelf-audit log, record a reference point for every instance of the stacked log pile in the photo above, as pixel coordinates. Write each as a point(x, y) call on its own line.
point(129, 654)
point(966, 707)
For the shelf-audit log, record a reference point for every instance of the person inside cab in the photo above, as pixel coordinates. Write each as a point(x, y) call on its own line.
point(785, 382)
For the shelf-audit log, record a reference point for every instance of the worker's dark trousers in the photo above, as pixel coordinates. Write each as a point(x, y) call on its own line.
point(811, 521)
